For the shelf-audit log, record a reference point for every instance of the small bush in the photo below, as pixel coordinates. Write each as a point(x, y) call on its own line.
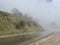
point(20, 24)
point(4, 14)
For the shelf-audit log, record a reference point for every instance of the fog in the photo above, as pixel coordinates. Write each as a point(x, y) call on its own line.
point(46, 12)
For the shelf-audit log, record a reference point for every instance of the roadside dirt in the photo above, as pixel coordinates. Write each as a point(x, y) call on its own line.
point(51, 40)
point(55, 40)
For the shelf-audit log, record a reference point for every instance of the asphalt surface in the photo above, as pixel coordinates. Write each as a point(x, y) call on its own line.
point(24, 39)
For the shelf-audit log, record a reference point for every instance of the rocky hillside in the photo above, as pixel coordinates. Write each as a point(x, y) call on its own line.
point(12, 24)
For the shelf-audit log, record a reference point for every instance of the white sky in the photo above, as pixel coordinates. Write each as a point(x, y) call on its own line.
point(45, 12)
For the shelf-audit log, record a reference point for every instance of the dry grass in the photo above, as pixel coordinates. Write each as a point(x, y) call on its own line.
point(9, 21)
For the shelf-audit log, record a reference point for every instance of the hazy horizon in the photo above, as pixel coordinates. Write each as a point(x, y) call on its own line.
point(46, 11)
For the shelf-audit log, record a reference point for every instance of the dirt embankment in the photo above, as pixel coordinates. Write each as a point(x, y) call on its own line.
point(51, 40)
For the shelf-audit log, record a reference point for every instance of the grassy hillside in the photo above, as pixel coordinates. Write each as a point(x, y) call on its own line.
point(11, 24)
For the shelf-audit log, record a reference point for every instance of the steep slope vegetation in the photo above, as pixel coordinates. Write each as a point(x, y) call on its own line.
point(11, 24)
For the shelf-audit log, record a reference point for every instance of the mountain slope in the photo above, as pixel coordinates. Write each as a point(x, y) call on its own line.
point(11, 24)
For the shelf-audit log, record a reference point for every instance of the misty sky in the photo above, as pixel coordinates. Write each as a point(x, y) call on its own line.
point(43, 10)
